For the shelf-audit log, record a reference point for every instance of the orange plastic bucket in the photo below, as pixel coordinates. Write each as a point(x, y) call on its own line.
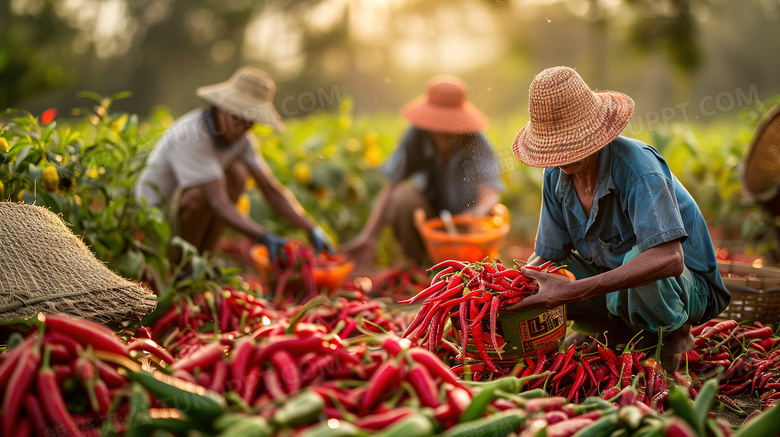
point(329, 272)
point(477, 237)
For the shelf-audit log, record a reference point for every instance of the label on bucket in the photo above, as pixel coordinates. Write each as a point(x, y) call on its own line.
point(518, 336)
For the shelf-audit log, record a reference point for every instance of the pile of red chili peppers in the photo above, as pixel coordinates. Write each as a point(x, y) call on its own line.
point(468, 292)
point(230, 363)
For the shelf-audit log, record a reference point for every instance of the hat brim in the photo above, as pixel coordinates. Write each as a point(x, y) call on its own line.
point(562, 148)
point(226, 99)
point(761, 169)
point(465, 118)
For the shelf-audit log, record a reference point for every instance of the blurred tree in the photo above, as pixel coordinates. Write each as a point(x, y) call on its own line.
point(670, 26)
point(35, 54)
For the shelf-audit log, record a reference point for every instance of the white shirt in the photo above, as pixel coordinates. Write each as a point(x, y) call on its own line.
point(188, 155)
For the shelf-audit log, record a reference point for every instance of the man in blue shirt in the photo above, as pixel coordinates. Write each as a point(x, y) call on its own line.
point(617, 217)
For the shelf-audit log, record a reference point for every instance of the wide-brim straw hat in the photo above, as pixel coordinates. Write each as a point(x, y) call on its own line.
point(249, 94)
point(445, 108)
point(761, 170)
point(568, 120)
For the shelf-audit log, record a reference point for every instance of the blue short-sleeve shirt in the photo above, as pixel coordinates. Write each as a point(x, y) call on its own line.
point(637, 201)
point(453, 185)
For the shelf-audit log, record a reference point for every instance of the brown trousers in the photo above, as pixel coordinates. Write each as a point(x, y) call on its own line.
point(399, 214)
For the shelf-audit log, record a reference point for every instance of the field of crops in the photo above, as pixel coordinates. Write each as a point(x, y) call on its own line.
point(237, 349)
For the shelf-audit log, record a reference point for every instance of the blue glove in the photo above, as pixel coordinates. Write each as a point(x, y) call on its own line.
point(321, 241)
point(273, 242)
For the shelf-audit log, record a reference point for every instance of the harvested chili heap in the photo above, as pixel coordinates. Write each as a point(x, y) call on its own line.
point(231, 362)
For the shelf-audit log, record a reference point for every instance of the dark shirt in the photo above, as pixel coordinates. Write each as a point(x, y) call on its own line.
point(453, 186)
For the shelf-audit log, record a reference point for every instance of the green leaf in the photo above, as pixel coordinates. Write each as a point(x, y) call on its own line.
point(121, 95)
point(21, 157)
point(91, 95)
point(130, 264)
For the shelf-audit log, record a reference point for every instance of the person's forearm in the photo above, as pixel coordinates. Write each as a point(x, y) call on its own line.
point(283, 201)
point(228, 213)
point(374, 223)
point(659, 262)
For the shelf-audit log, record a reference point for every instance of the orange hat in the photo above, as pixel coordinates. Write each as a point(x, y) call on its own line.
point(445, 108)
point(568, 121)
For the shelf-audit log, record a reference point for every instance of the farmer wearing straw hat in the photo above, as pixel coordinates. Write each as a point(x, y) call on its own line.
point(199, 167)
point(616, 216)
point(443, 163)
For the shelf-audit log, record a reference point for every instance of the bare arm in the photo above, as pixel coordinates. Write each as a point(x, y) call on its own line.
point(216, 193)
point(361, 249)
point(280, 198)
point(658, 262)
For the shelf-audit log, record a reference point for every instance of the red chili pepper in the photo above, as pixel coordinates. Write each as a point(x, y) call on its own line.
point(447, 263)
point(626, 368)
point(20, 381)
point(586, 363)
point(287, 369)
point(273, 383)
point(493, 318)
point(730, 390)
point(476, 335)
point(477, 320)
point(545, 404)
point(249, 384)
point(434, 365)
point(383, 378)
point(53, 402)
point(383, 420)
point(153, 348)
point(761, 334)
point(579, 379)
point(423, 384)
point(87, 333)
point(608, 359)
point(11, 358)
point(34, 410)
point(203, 358)
point(464, 327)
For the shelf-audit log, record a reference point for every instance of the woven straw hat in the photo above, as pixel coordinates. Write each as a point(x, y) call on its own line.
point(249, 93)
point(761, 172)
point(445, 108)
point(568, 121)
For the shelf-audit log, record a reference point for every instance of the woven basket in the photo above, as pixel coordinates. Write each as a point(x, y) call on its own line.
point(44, 267)
point(755, 292)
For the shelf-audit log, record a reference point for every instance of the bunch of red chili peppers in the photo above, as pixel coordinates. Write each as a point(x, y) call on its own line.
point(748, 354)
point(469, 292)
point(56, 363)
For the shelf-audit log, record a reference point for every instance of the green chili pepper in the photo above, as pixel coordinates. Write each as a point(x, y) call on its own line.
point(138, 416)
point(329, 428)
point(766, 424)
point(704, 400)
point(590, 404)
point(199, 403)
point(243, 426)
point(631, 416)
point(488, 393)
point(534, 394)
point(683, 407)
point(503, 423)
point(304, 407)
point(413, 425)
point(601, 427)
